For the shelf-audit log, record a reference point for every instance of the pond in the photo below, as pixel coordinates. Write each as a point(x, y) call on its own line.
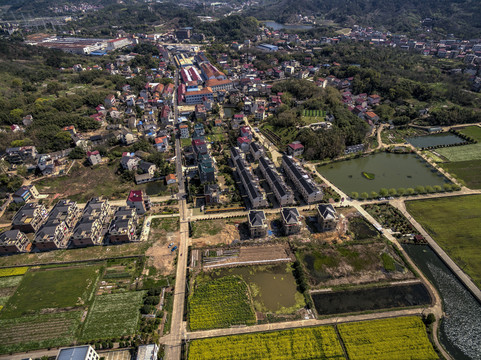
point(277, 26)
point(435, 140)
point(460, 331)
point(273, 288)
point(386, 170)
point(377, 298)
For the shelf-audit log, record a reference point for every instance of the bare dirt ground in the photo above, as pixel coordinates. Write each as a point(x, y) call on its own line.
point(227, 235)
point(160, 255)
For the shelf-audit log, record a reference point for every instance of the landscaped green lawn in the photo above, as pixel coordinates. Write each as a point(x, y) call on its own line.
point(472, 131)
point(468, 171)
point(454, 223)
point(113, 315)
point(50, 289)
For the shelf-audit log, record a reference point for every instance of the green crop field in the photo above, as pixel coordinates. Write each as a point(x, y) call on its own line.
point(38, 331)
point(7, 288)
point(472, 131)
point(299, 344)
point(468, 171)
point(113, 315)
point(388, 339)
point(461, 153)
point(314, 113)
point(220, 303)
point(453, 222)
point(52, 288)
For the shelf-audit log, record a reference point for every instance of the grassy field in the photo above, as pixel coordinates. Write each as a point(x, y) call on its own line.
point(468, 171)
point(113, 315)
point(387, 339)
point(454, 224)
point(472, 131)
point(220, 303)
point(207, 227)
point(166, 224)
point(52, 288)
point(299, 344)
point(39, 331)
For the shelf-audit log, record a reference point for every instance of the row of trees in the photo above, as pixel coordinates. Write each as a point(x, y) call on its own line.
point(402, 191)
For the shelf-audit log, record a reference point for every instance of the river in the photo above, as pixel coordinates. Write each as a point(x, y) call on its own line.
point(460, 331)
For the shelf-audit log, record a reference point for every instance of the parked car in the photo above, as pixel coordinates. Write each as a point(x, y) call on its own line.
point(170, 244)
point(173, 249)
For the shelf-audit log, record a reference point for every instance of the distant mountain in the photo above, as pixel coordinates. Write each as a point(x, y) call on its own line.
point(460, 17)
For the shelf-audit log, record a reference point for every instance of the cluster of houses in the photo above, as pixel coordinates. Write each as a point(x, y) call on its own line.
point(66, 225)
point(291, 223)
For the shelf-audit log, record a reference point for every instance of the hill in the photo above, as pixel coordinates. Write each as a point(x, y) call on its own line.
point(459, 17)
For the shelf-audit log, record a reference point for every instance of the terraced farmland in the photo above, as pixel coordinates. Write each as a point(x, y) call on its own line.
point(220, 303)
point(387, 339)
point(113, 315)
point(299, 344)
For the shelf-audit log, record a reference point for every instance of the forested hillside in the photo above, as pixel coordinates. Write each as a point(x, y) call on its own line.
point(460, 17)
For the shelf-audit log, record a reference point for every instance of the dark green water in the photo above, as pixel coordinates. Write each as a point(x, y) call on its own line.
point(460, 331)
point(390, 171)
point(434, 140)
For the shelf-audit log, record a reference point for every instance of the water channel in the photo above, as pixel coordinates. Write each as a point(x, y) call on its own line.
point(460, 331)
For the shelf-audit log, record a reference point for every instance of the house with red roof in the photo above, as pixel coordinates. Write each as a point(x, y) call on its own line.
point(139, 200)
point(295, 148)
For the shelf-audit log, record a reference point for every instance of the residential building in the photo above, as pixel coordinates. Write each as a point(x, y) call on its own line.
point(295, 148)
point(123, 226)
point(283, 194)
point(148, 168)
point(250, 183)
point(147, 352)
point(89, 230)
point(291, 223)
point(256, 150)
point(94, 157)
point(109, 101)
point(245, 131)
point(52, 236)
point(84, 352)
point(170, 179)
point(19, 155)
point(199, 147)
point(303, 183)
point(257, 223)
point(371, 116)
point(184, 131)
point(14, 241)
point(30, 218)
point(162, 143)
point(206, 169)
point(70, 129)
point(199, 130)
point(129, 162)
point(268, 47)
point(64, 211)
point(374, 99)
point(139, 200)
point(243, 143)
point(200, 112)
point(25, 193)
point(327, 217)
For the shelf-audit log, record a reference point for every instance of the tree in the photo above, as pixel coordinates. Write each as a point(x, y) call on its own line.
point(410, 191)
point(374, 195)
point(429, 189)
point(354, 195)
point(447, 187)
point(420, 189)
point(77, 153)
point(383, 192)
point(364, 195)
point(401, 191)
point(438, 188)
point(392, 192)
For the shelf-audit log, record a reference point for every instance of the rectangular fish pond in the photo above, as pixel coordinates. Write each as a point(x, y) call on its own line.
point(435, 140)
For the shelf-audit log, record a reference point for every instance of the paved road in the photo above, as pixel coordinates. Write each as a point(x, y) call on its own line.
point(173, 347)
point(276, 155)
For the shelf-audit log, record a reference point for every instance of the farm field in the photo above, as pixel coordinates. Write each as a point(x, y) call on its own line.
point(468, 171)
point(461, 153)
point(220, 303)
point(13, 271)
point(52, 288)
point(38, 331)
point(390, 217)
point(7, 288)
point(113, 315)
point(461, 242)
point(207, 227)
point(273, 288)
point(313, 116)
point(299, 344)
point(387, 339)
point(472, 131)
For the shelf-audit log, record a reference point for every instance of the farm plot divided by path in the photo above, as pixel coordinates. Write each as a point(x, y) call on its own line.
point(299, 344)
point(113, 315)
point(387, 339)
point(220, 303)
point(38, 331)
